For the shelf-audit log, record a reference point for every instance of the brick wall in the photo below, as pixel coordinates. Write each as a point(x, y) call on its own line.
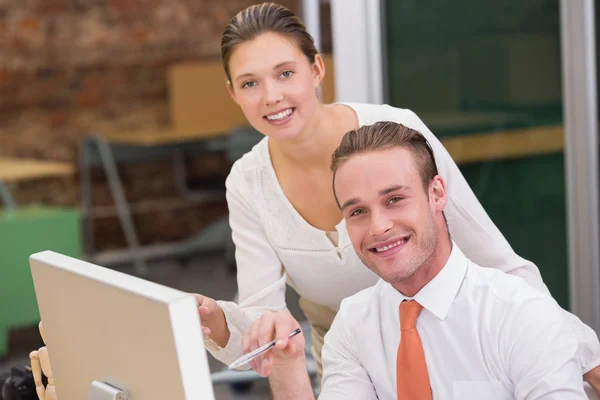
point(72, 67)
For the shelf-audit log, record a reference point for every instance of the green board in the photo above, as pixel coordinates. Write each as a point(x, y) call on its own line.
point(23, 232)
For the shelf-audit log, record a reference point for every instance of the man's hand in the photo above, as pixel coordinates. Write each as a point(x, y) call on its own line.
point(288, 352)
point(213, 320)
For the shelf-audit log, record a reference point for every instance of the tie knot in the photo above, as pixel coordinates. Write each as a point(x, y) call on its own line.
point(409, 312)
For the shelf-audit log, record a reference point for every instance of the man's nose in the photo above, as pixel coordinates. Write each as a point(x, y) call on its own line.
point(380, 223)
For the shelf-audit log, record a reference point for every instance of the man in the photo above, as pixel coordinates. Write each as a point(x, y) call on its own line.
point(436, 325)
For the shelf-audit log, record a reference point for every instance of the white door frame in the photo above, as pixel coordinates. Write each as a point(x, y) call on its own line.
point(357, 50)
point(580, 99)
point(311, 15)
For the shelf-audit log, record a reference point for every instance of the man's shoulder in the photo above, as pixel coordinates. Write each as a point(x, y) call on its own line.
point(504, 289)
point(359, 304)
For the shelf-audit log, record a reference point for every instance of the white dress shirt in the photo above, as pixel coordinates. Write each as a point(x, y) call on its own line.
point(275, 245)
point(486, 335)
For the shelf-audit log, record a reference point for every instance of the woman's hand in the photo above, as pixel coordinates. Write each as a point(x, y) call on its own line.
point(212, 318)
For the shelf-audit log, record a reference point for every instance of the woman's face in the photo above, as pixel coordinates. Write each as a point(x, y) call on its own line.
point(275, 85)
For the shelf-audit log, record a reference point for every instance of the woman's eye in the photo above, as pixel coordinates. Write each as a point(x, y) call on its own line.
point(286, 74)
point(248, 84)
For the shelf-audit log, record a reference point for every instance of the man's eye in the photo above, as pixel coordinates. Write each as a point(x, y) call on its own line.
point(357, 212)
point(249, 84)
point(394, 200)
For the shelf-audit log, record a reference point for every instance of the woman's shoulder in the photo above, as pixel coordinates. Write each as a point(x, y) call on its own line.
point(256, 158)
point(371, 113)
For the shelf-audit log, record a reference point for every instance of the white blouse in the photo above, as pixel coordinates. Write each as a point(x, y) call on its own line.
point(275, 245)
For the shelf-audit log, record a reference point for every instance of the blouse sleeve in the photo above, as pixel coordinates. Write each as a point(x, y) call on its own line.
point(260, 276)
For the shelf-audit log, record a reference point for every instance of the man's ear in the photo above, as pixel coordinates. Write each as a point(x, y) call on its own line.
point(231, 91)
point(318, 69)
point(437, 193)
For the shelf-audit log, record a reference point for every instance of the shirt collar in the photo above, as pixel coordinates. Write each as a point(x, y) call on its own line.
point(439, 293)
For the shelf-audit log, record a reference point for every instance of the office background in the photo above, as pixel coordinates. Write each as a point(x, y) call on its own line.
point(510, 88)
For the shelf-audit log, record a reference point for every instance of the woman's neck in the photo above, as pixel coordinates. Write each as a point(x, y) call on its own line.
point(315, 144)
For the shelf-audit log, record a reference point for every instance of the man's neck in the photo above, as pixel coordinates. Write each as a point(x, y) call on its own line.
point(429, 270)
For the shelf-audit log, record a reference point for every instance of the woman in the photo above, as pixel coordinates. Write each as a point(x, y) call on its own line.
point(286, 225)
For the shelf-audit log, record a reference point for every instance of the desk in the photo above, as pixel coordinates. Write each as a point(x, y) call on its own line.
point(19, 169)
point(107, 151)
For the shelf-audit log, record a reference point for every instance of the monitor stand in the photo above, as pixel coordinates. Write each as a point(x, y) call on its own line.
point(104, 391)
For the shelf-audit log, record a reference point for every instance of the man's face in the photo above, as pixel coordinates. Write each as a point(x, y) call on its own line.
point(390, 216)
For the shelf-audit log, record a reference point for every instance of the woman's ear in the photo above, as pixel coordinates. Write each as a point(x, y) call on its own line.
point(318, 69)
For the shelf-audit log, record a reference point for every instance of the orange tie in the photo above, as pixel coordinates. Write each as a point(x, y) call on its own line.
point(411, 370)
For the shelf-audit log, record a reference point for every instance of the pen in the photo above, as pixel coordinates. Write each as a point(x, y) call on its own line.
point(253, 354)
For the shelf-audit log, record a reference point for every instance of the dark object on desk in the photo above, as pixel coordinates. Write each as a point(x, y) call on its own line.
point(18, 384)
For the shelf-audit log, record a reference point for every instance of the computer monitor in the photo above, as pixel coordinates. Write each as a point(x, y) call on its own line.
point(108, 327)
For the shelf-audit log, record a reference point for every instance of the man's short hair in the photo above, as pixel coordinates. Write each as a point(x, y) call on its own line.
point(384, 135)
